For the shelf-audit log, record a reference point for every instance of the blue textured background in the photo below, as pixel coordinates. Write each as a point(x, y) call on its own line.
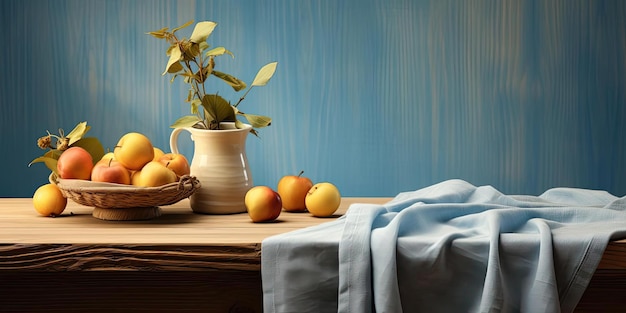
point(377, 97)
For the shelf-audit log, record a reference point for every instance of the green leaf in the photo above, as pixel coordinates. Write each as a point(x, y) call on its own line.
point(168, 52)
point(239, 124)
point(195, 104)
point(49, 158)
point(175, 68)
point(193, 51)
point(218, 108)
point(50, 163)
point(264, 74)
point(93, 146)
point(202, 31)
point(159, 33)
point(257, 121)
point(182, 26)
point(78, 132)
point(189, 95)
point(234, 82)
point(175, 56)
point(218, 51)
point(185, 121)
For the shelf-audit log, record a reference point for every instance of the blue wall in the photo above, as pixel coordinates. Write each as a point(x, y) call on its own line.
point(377, 97)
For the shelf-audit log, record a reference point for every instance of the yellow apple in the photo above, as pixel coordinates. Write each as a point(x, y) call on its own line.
point(263, 204)
point(75, 163)
point(176, 162)
point(292, 190)
point(158, 153)
point(133, 151)
point(323, 199)
point(153, 174)
point(110, 171)
point(108, 156)
point(49, 201)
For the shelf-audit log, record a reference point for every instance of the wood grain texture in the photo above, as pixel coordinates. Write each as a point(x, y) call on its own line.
point(378, 97)
point(157, 258)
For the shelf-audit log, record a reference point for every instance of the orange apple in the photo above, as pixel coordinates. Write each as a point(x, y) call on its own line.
point(323, 199)
point(133, 151)
point(176, 162)
point(153, 174)
point(75, 163)
point(110, 171)
point(263, 204)
point(292, 190)
point(48, 200)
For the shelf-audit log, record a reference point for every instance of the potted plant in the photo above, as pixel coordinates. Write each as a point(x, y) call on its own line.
point(219, 161)
point(192, 59)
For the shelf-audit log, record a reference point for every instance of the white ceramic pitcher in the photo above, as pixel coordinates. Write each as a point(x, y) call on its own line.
point(220, 164)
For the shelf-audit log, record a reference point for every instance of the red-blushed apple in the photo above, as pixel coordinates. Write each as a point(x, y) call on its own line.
point(323, 199)
point(153, 174)
point(134, 150)
point(110, 171)
point(292, 190)
point(176, 162)
point(75, 163)
point(263, 204)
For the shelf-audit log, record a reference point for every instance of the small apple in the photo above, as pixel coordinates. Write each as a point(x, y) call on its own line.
point(292, 190)
point(158, 153)
point(153, 174)
point(263, 204)
point(134, 150)
point(107, 156)
point(110, 171)
point(323, 199)
point(75, 163)
point(176, 162)
point(48, 200)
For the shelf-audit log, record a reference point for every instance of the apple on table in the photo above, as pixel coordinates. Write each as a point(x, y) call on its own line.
point(323, 199)
point(293, 190)
point(263, 204)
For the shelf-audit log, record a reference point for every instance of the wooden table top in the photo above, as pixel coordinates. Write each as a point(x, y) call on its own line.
point(78, 241)
point(20, 223)
point(178, 240)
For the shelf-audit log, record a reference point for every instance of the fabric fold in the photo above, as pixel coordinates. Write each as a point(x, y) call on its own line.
point(449, 247)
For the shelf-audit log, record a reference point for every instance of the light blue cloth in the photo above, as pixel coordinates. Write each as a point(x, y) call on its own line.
point(450, 247)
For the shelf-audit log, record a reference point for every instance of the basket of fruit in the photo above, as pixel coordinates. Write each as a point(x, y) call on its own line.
point(129, 183)
point(112, 201)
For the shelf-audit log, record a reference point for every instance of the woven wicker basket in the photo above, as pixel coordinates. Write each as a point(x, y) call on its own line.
point(124, 202)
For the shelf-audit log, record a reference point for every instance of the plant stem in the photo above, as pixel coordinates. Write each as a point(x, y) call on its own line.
point(243, 97)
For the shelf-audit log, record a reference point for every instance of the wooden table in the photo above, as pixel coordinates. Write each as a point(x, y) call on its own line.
point(179, 262)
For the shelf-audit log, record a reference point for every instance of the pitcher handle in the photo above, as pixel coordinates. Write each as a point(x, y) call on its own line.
point(174, 139)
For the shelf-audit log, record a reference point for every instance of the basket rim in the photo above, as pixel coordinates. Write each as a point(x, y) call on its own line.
point(129, 197)
point(82, 185)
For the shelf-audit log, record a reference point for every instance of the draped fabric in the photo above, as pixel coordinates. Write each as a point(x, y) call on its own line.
point(450, 247)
